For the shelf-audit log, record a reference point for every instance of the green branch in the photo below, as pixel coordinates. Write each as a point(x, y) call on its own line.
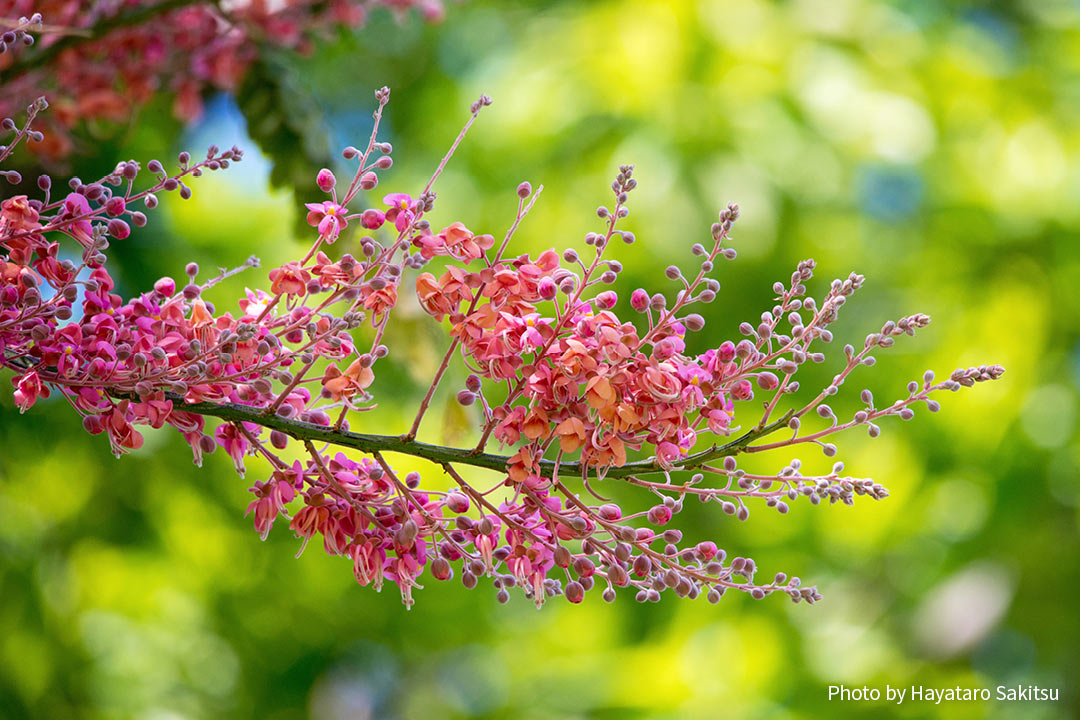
point(369, 443)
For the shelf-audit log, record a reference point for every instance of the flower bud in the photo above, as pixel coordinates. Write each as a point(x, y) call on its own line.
point(694, 322)
point(165, 286)
point(547, 288)
point(119, 229)
point(575, 593)
point(524, 190)
point(207, 444)
point(610, 512)
point(607, 299)
point(562, 557)
point(325, 180)
point(115, 206)
point(767, 381)
point(372, 219)
point(465, 397)
point(639, 300)
point(440, 569)
point(457, 503)
point(659, 515)
point(742, 390)
point(93, 425)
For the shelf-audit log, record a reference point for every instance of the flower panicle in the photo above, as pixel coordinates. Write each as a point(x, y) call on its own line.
point(576, 384)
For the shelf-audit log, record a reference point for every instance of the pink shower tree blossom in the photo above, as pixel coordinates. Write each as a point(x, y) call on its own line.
point(573, 385)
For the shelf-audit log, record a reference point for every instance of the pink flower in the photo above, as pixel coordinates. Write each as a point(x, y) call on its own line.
point(459, 242)
point(402, 210)
point(255, 303)
point(122, 435)
point(328, 217)
point(76, 206)
point(271, 497)
point(667, 453)
point(369, 557)
point(228, 436)
point(28, 388)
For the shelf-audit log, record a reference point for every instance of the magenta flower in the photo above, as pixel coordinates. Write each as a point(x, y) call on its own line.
point(76, 206)
point(402, 210)
point(229, 436)
point(271, 497)
point(328, 217)
point(28, 389)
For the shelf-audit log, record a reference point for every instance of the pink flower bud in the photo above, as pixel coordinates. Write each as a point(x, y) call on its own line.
point(372, 219)
point(457, 503)
point(767, 381)
point(639, 300)
point(547, 289)
point(610, 512)
point(325, 180)
point(165, 286)
point(707, 549)
point(726, 351)
point(93, 425)
point(659, 515)
point(742, 390)
point(694, 322)
point(575, 593)
point(119, 229)
point(440, 569)
point(607, 299)
point(115, 206)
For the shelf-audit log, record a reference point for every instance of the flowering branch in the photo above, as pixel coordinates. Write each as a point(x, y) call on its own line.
point(181, 48)
point(572, 390)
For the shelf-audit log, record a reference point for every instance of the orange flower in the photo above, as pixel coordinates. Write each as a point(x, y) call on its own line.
point(599, 393)
point(536, 425)
point(289, 279)
point(340, 385)
point(571, 432)
point(379, 301)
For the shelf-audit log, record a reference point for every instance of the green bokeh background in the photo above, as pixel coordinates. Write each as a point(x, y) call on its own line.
point(931, 146)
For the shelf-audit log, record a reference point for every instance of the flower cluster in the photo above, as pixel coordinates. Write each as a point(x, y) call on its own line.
point(576, 384)
point(105, 60)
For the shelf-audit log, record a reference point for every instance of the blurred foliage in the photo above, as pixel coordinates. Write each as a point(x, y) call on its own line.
point(933, 146)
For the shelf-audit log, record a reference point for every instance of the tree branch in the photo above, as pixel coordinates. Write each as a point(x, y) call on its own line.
point(365, 442)
point(32, 61)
